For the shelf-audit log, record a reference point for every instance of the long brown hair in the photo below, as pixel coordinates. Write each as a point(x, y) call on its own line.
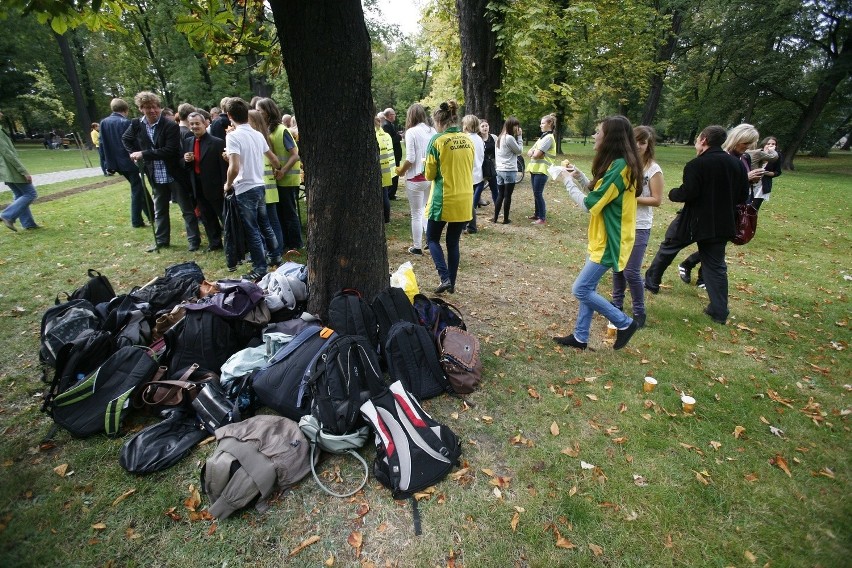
point(618, 142)
point(508, 129)
point(646, 134)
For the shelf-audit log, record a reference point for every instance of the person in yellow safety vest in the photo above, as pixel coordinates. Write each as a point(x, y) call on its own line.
point(274, 258)
point(386, 163)
point(287, 150)
point(542, 154)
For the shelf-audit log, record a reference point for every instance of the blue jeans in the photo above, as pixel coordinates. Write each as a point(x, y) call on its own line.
point(252, 205)
point(25, 193)
point(477, 190)
point(538, 182)
point(632, 276)
point(140, 200)
point(272, 215)
point(288, 216)
point(433, 240)
point(585, 290)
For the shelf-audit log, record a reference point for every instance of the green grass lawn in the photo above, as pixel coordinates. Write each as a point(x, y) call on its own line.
point(660, 488)
point(39, 160)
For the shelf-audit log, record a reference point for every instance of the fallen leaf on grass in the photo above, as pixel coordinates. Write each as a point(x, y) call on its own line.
point(533, 393)
point(585, 465)
point(362, 509)
point(554, 429)
point(487, 419)
point(194, 500)
point(212, 529)
point(572, 491)
point(620, 440)
point(825, 472)
point(519, 440)
point(309, 541)
point(329, 562)
point(60, 470)
point(668, 542)
point(173, 514)
point(764, 420)
point(779, 462)
point(562, 542)
point(777, 398)
point(131, 534)
point(123, 496)
point(500, 481)
point(750, 556)
point(639, 481)
point(702, 477)
point(515, 518)
point(715, 445)
point(777, 431)
point(689, 447)
point(622, 408)
point(573, 451)
point(497, 493)
point(591, 397)
point(355, 540)
point(456, 475)
point(738, 432)
point(596, 550)
point(751, 477)
point(99, 526)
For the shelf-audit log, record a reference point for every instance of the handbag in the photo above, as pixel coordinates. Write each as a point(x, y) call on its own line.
point(459, 355)
point(215, 408)
point(745, 219)
point(180, 392)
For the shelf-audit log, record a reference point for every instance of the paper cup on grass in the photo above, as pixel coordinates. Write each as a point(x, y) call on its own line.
point(611, 330)
point(649, 384)
point(688, 403)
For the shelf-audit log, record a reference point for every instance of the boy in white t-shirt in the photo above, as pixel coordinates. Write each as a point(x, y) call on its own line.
point(246, 148)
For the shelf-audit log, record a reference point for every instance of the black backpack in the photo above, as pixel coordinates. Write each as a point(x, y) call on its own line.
point(99, 402)
point(76, 360)
point(339, 382)
point(413, 451)
point(62, 324)
point(97, 289)
point(412, 359)
point(350, 314)
point(390, 306)
point(281, 383)
point(203, 338)
point(435, 314)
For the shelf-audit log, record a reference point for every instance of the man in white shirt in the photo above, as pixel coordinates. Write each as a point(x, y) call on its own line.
point(246, 148)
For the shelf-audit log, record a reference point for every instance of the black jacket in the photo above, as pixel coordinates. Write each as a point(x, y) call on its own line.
point(211, 181)
point(713, 184)
point(166, 147)
point(390, 128)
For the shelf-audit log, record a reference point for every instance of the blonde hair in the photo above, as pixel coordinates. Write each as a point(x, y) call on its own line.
point(741, 134)
point(256, 121)
point(470, 123)
point(551, 118)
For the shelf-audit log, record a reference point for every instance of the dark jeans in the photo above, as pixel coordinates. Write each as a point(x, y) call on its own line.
point(252, 207)
point(477, 189)
point(274, 222)
point(538, 182)
point(101, 158)
point(140, 200)
point(711, 252)
point(288, 216)
point(632, 276)
point(386, 203)
point(163, 194)
point(504, 201)
point(434, 229)
point(394, 186)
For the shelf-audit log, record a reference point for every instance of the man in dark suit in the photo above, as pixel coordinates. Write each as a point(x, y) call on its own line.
point(117, 159)
point(157, 141)
point(207, 172)
point(714, 183)
point(219, 126)
point(389, 126)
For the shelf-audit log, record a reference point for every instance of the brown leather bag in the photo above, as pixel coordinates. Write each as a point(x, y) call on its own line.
point(180, 392)
point(459, 354)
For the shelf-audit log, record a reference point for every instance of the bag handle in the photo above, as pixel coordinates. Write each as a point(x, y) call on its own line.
point(352, 453)
point(167, 388)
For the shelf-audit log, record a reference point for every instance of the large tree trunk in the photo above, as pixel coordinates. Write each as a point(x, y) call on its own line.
point(258, 84)
point(83, 118)
point(86, 84)
point(346, 236)
point(481, 69)
point(839, 70)
point(664, 54)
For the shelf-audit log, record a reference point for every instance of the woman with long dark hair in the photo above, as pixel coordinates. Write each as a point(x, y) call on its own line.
point(611, 202)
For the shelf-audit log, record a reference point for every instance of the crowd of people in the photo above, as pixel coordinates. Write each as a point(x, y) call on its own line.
point(248, 152)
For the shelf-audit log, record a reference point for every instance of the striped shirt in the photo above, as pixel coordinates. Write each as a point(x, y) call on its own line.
point(612, 224)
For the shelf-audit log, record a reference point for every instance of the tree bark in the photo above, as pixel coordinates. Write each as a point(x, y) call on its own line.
point(481, 69)
point(86, 84)
point(840, 68)
point(83, 118)
point(331, 89)
point(664, 53)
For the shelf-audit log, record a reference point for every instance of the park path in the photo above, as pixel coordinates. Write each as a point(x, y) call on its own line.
point(56, 177)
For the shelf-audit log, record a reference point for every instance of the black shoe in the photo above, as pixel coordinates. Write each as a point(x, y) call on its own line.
point(193, 248)
point(570, 341)
point(253, 276)
point(684, 273)
point(493, 219)
point(446, 286)
point(212, 248)
point(506, 221)
point(714, 318)
point(652, 289)
point(640, 320)
point(155, 248)
point(277, 261)
point(700, 284)
point(142, 226)
point(414, 250)
point(622, 336)
point(470, 231)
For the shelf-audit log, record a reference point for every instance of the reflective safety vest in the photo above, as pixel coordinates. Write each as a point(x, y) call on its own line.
point(540, 165)
point(270, 184)
point(386, 159)
point(293, 176)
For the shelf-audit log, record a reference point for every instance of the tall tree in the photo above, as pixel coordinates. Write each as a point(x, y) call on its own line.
point(481, 66)
point(83, 117)
point(672, 18)
point(346, 238)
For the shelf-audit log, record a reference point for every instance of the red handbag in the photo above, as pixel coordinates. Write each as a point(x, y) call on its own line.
point(745, 218)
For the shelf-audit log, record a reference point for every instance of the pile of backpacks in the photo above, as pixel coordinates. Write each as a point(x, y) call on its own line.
point(206, 357)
